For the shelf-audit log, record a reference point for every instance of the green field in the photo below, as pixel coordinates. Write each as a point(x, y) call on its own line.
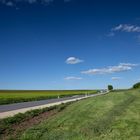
point(115, 116)
point(15, 96)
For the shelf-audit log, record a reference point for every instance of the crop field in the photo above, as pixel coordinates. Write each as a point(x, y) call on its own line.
point(15, 96)
point(114, 116)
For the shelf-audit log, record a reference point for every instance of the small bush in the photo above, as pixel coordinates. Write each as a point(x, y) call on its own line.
point(110, 87)
point(137, 85)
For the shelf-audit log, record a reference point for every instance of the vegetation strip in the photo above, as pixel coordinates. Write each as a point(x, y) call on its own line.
point(16, 96)
point(23, 110)
point(11, 127)
point(113, 116)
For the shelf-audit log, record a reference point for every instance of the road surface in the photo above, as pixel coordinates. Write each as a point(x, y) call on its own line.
point(12, 109)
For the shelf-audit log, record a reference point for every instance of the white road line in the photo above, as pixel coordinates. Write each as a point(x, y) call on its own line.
point(14, 112)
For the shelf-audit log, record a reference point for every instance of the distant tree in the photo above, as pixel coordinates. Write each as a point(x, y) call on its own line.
point(110, 87)
point(137, 85)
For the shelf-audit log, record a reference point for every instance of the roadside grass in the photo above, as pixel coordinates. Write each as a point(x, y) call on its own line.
point(115, 116)
point(16, 96)
point(8, 125)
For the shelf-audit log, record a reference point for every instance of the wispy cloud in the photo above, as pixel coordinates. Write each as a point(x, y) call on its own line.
point(129, 64)
point(126, 28)
point(16, 2)
point(122, 67)
point(73, 60)
point(116, 78)
point(10, 3)
point(73, 78)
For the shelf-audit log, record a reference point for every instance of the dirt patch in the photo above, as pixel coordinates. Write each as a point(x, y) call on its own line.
point(17, 129)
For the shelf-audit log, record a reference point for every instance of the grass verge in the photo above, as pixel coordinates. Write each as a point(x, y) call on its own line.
point(12, 127)
point(114, 116)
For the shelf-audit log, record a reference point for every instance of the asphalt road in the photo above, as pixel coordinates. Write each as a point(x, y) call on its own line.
point(16, 106)
point(13, 109)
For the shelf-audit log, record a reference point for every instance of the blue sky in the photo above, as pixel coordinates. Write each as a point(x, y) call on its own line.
point(69, 44)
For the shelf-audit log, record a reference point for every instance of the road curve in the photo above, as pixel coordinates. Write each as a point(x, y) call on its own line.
point(12, 109)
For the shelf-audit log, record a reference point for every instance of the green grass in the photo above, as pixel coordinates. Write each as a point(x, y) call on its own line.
point(115, 116)
point(15, 96)
point(8, 123)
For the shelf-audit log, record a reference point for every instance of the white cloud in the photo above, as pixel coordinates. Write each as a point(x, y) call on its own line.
point(15, 2)
point(73, 78)
point(73, 60)
point(116, 78)
point(127, 28)
point(119, 27)
point(111, 69)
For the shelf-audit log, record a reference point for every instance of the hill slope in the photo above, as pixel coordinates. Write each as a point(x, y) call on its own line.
point(110, 117)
